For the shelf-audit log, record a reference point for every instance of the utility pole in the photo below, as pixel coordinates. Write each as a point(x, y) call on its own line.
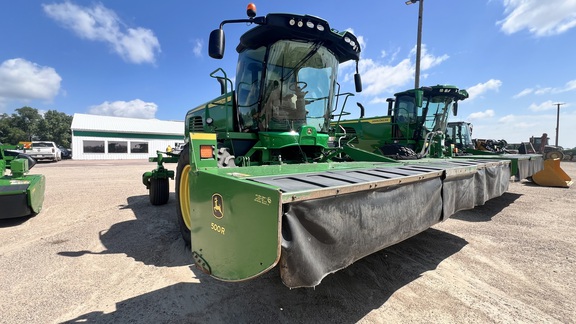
point(418, 40)
point(558, 120)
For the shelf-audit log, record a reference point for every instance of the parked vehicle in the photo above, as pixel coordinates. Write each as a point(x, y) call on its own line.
point(44, 150)
point(65, 152)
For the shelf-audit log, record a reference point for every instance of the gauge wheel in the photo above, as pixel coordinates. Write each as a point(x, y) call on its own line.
point(159, 191)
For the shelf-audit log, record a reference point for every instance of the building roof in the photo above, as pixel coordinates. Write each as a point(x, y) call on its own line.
point(85, 122)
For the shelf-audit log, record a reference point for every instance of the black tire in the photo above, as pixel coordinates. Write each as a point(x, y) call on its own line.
point(398, 152)
point(183, 165)
point(554, 155)
point(159, 191)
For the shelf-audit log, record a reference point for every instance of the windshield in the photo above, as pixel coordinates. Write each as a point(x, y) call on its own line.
point(415, 121)
point(248, 80)
point(437, 116)
point(297, 89)
point(459, 135)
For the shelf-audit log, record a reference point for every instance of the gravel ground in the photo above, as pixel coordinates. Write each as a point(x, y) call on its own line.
point(99, 252)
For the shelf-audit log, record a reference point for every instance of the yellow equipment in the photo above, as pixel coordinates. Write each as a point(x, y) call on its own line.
point(552, 175)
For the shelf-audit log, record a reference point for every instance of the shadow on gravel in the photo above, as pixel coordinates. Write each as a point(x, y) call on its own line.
point(343, 297)
point(152, 238)
point(487, 211)
point(9, 222)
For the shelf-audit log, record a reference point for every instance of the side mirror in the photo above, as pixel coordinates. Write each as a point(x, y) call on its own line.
point(222, 82)
point(390, 102)
point(358, 82)
point(455, 109)
point(216, 44)
point(361, 109)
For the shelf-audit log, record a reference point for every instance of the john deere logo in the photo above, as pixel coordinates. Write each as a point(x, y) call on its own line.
point(217, 210)
point(309, 131)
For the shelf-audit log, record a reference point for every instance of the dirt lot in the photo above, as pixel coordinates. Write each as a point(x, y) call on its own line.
point(98, 252)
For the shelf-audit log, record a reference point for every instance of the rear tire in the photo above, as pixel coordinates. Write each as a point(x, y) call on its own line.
point(159, 191)
point(554, 155)
point(183, 194)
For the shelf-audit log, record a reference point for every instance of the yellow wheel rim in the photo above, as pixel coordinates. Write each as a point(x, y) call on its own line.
point(184, 196)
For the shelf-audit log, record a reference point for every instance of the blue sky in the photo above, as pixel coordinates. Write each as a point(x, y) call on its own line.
point(148, 59)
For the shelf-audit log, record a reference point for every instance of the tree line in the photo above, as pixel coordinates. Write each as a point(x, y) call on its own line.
point(26, 124)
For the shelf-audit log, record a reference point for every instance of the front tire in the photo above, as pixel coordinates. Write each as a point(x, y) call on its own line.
point(159, 191)
point(183, 194)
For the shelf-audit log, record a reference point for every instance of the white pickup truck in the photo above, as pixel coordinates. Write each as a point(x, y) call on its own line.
point(44, 150)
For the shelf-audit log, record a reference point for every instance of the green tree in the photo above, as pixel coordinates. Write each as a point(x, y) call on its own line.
point(55, 126)
point(27, 120)
point(9, 133)
point(27, 124)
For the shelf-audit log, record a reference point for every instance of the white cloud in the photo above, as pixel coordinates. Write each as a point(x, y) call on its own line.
point(380, 78)
point(479, 89)
point(98, 23)
point(134, 109)
point(540, 18)
point(197, 49)
point(428, 61)
point(523, 93)
point(547, 105)
point(384, 78)
point(481, 115)
point(516, 122)
point(569, 86)
point(23, 80)
point(394, 55)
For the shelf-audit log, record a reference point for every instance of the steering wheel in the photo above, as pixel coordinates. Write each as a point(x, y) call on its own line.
point(298, 84)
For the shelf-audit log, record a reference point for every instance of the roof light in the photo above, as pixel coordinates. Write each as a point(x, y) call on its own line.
point(292, 22)
point(320, 27)
point(251, 10)
point(310, 24)
point(300, 23)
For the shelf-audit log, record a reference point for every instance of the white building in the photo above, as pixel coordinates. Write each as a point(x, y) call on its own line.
point(96, 137)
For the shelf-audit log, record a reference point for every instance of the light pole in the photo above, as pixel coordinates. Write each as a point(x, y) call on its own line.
point(558, 120)
point(418, 40)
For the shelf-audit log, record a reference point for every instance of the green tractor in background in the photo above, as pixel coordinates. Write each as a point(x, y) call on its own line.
point(413, 128)
point(416, 126)
point(260, 182)
point(21, 194)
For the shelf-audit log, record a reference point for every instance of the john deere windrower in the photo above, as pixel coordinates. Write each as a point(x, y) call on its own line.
point(260, 182)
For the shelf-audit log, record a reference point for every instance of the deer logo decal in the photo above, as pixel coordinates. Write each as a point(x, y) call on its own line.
point(217, 210)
